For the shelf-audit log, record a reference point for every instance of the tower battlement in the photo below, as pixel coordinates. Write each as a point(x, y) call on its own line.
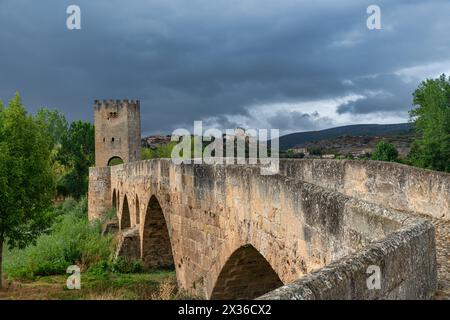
point(108, 103)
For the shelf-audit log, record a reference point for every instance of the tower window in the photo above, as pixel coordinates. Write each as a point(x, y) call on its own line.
point(112, 115)
point(112, 139)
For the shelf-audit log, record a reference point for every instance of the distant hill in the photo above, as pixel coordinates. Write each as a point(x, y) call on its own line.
point(370, 130)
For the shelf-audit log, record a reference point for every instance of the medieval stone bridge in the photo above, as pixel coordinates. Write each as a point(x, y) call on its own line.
point(233, 233)
point(313, 231)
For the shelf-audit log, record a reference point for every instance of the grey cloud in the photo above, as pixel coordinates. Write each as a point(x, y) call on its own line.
point(299, 121)
point(190, 60)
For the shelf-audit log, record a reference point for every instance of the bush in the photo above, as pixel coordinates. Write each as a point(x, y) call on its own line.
point(385, 151)
point(120, 265)
point(71, 240)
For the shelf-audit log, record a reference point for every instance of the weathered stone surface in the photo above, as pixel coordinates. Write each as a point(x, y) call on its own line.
point(199, 217)
point(129, 245)
point(99, 198)
point(405, 274)
point(117, 131)
point(110, 227)
point(389, 184)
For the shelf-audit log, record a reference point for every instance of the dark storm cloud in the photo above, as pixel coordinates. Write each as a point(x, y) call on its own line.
point(199, 59)
point(295, 119)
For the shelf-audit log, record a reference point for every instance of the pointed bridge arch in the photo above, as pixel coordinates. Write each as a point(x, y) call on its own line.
point(156, 245)
point(245, 275)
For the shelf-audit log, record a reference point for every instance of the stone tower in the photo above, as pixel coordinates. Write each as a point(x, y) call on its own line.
point(117, 131)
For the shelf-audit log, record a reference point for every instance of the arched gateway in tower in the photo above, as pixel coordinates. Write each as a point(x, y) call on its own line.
point(117, 140)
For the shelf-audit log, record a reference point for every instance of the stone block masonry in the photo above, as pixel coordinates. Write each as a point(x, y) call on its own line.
point(117, 131)
point(233, 233)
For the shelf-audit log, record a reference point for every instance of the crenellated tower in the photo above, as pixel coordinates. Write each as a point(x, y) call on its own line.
point(117, 131)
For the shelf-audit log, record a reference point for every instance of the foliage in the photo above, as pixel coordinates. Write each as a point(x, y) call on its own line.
point(385, 151)
point(290, 154)
point(115, 161)
point(160, 285)
point(54, 121)
point(315, 151)
point(164, 151)
point(122, 265)
point(26, 179)
point(431, 118)
point(73, 151)
point(56, 125)
point(77, 153)
point(71, 240)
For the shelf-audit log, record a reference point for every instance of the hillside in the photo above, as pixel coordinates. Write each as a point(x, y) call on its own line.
point(369, 130)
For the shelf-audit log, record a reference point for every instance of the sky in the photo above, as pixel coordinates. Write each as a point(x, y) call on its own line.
point(260, 64)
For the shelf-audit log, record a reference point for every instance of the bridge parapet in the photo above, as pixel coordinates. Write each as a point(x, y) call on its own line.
point(218, 222)
point(388, 184)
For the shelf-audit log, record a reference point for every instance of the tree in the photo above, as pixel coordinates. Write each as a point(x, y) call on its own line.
point(77, 153)
point(315, 151)
point(162, 151)
point(431, 119)
point(54, 121)
point(26, 179)
point(56, 125)
point(385, 151)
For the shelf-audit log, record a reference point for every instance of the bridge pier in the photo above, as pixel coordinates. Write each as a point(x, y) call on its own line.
point(99, 195)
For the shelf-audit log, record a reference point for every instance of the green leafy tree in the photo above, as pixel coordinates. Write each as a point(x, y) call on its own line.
point(77, 153)
point(163, 151)
point(315, 151)
point(26, 178)
point(431, 118)
point(57, 126)
point(385, 151)
point(54, 121)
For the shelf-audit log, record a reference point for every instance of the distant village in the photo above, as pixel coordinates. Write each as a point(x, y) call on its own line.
point(354, 147)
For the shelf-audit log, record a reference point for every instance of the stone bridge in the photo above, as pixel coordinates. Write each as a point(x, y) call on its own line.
point(313, 231)
point(319, 229)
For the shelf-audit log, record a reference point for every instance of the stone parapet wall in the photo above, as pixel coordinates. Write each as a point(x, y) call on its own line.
point(388, 184)
point(407, 262)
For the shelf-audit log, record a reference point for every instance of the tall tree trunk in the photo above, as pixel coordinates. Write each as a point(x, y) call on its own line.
point(1, 261)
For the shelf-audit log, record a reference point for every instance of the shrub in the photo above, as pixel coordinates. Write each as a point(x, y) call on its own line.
point(120, 265)
point(385, 151)
point(71, 240)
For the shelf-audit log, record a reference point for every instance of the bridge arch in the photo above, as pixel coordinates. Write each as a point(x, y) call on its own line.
point(114, 161)
point(156, 248)
point(125, 221)
point(245, 275)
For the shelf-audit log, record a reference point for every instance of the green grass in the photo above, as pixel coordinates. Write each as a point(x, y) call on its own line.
point(108, 286)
